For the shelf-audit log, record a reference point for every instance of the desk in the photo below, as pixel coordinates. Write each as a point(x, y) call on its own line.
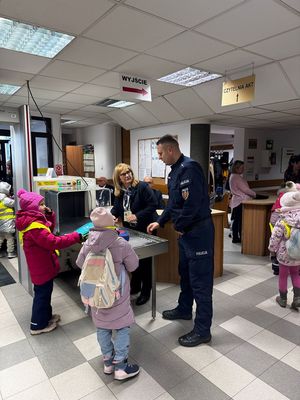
point(255, 226)
point(167, 264)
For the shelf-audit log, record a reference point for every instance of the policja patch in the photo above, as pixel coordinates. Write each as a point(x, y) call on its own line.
point(185, 193)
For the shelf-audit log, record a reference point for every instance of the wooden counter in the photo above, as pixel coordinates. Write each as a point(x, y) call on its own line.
point(255, 229)
point(167, 264)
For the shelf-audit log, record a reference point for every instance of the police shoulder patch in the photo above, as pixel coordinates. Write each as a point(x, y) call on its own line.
point(185, 193)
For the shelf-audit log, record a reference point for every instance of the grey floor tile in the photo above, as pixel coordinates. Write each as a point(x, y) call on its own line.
point(146, 346)
point(227, 275)
point(250, 297)
point(23, 313)
point(59, 360)
point(47, 342)
point(260, 317)
point(251, 358)
point(136, 332)
point(224, 341)
point(265, 290)
point(233, 257)
point(15, 353)
point(197, 387)
point(13, 291)
point(235, 306)
point(79, 328)
point(221, 315)
point(169, 334)
point(22, 300)
point(170, 371)
point(283, 378)
point(287, 330)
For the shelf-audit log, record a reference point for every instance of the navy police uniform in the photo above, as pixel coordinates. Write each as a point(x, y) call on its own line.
point(188, 208)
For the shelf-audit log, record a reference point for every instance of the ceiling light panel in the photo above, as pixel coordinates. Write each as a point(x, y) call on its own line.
point(8, 89)
point(31, 39)
point(189, 77)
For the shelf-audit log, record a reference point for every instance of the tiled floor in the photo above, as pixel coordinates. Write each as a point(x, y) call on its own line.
point(254, 354)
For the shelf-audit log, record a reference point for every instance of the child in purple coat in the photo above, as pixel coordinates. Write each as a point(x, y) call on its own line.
point(119, 317)
point(289, 218)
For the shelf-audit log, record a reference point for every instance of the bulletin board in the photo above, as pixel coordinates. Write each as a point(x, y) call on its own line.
point(148, 161)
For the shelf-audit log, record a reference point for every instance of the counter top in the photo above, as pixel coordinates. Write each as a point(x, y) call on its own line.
point(270, 200)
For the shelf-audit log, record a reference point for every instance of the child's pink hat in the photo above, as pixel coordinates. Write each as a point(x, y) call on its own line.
point(101, 217)
point(29, 200)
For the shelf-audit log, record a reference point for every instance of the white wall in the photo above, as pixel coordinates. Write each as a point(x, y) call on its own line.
point(181, 130)
point(281, 139)
point(106, 139)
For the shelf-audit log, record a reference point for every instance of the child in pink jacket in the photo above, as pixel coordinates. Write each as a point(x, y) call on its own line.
point(119, 317)
point(35, 223)
point(289, 218)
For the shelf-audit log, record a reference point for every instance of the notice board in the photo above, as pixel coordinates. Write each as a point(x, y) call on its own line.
point(148, 161)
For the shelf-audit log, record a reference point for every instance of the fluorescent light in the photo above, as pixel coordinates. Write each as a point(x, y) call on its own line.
point(121, 104)
point(8, 89)
point(189, 77)
point(68, 122)
point(31, 39)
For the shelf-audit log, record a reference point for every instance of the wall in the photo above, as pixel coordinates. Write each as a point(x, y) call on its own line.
point(181, 130)
point(281, 139)
point(106, 139)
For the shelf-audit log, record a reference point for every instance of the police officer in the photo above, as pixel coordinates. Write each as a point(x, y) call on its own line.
point(188, 208)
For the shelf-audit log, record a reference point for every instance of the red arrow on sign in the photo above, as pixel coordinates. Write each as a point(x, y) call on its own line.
point(135, 90)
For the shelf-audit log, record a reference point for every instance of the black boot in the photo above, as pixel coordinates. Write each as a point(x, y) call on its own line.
point(282, 299)
point(296, 300)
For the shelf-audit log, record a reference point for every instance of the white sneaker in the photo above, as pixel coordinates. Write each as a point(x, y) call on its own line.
point(11, 255)
point(55, 318)
point(50, 327)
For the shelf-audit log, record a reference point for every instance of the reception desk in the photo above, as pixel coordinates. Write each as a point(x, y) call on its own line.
point(167, 263)
point(256, 231)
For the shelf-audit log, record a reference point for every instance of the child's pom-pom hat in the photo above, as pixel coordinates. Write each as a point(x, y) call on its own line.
point(101, 217)
point(29, 201)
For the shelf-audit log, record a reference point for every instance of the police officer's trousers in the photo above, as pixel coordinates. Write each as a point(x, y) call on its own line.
point(196, 268)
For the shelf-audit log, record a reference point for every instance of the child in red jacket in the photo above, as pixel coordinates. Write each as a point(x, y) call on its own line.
point(36, 222)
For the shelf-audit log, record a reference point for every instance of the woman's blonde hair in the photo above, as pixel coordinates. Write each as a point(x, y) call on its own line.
point(236, 165)
point(120, 169)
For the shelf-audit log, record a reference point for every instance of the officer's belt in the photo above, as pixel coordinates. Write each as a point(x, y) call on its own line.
point(195, 225)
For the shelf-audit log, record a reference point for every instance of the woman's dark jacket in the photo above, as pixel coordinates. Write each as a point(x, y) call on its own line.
point(142, 204)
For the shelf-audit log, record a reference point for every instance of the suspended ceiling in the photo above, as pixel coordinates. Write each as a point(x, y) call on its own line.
point(152, 38)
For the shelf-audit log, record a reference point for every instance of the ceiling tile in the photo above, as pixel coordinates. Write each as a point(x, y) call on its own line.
point(94, 90)
point(285, 105)
point(270, 84)
point(293, 3)
point(71, 16)
point(251, 21)
point(231, 60)
point(95, 54)
point(292, 69)
point(149, 67)
point(41, 93)
point(280, 46)
point(132, 29)
point(188, 103)
point(20, 100)
point(98, 109)
point(71, 71)
point(189, 48)
point(79, 98)
point(246, 111)
point(43, 82)
point(17, 61)
point(141, 115)
point(186, 14)
point(14, 77)
point(110, 79)
point(81, 113)
point(162, 110)
point(160, 88)
point(124, 119)
point(64, 104)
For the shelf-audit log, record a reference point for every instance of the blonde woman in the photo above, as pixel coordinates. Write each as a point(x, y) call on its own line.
point(135, 205)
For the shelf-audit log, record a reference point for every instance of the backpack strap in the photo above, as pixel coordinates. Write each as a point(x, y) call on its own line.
point(287, 228)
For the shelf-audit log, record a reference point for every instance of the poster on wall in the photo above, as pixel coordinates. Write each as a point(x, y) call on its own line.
point(158, 167)
point(286, 153)
point(249, 167)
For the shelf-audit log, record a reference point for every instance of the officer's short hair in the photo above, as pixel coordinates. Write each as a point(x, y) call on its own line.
point(168, 139)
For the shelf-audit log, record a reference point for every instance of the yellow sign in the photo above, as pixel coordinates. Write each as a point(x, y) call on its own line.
point(238, 91)
point(47, 183)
